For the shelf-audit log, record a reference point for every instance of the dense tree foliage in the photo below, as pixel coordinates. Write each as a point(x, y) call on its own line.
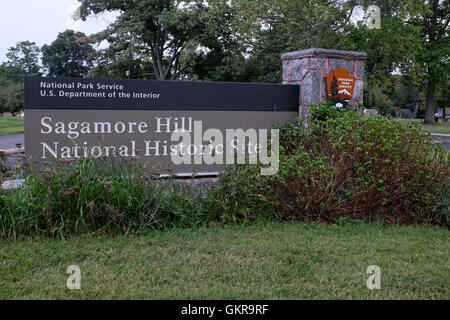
point(432, 18)
point(69, 55)
point(161, 28)
point(22, 60)
point(12, 99)
point(242, 40)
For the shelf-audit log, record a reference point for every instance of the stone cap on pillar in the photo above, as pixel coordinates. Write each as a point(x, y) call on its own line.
point(329, 53)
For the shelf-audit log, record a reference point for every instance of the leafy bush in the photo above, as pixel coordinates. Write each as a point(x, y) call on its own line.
point(344, 164)
point(240, 197)
point(96, 196)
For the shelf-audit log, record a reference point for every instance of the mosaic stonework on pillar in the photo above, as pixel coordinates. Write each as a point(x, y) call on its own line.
point(309, 69)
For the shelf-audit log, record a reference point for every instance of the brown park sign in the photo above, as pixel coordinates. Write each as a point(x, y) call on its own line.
point(340, 86)
point(77, 118)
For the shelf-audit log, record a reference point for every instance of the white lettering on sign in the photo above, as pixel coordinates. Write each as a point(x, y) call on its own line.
point(74, 129)
point(73, 90)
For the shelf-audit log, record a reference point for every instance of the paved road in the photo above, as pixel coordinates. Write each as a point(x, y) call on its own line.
point(8, 142)
point(444, 139)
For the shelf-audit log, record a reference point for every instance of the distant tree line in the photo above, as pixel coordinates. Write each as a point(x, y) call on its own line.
point(241, 40)
point(70, 55)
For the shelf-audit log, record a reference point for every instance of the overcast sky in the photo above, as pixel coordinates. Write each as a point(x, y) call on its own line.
point(40, 21)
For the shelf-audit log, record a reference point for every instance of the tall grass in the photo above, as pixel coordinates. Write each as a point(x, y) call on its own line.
point(114, 196)
point(11, 125)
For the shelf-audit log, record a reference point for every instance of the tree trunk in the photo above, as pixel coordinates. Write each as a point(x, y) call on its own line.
point(430, 103)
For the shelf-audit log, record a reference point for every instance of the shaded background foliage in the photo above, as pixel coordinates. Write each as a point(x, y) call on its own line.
point(70, 55)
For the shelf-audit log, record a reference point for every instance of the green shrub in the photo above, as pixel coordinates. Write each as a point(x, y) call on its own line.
point(344, 164)
point(239, 197)
point(443, 201)
point(96, 196)
point(324, 112)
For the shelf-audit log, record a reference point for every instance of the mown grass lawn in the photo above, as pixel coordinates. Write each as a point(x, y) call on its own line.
point(272, 261)
point(439, 128)
point(11, 125)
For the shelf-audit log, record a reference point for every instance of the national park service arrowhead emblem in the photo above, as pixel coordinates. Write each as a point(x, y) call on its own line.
point(340, 85)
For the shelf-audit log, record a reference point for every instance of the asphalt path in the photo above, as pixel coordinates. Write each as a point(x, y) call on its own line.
point(444, 139)
point(10, 141)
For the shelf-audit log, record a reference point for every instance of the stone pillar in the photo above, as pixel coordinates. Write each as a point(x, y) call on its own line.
point(309, 68)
